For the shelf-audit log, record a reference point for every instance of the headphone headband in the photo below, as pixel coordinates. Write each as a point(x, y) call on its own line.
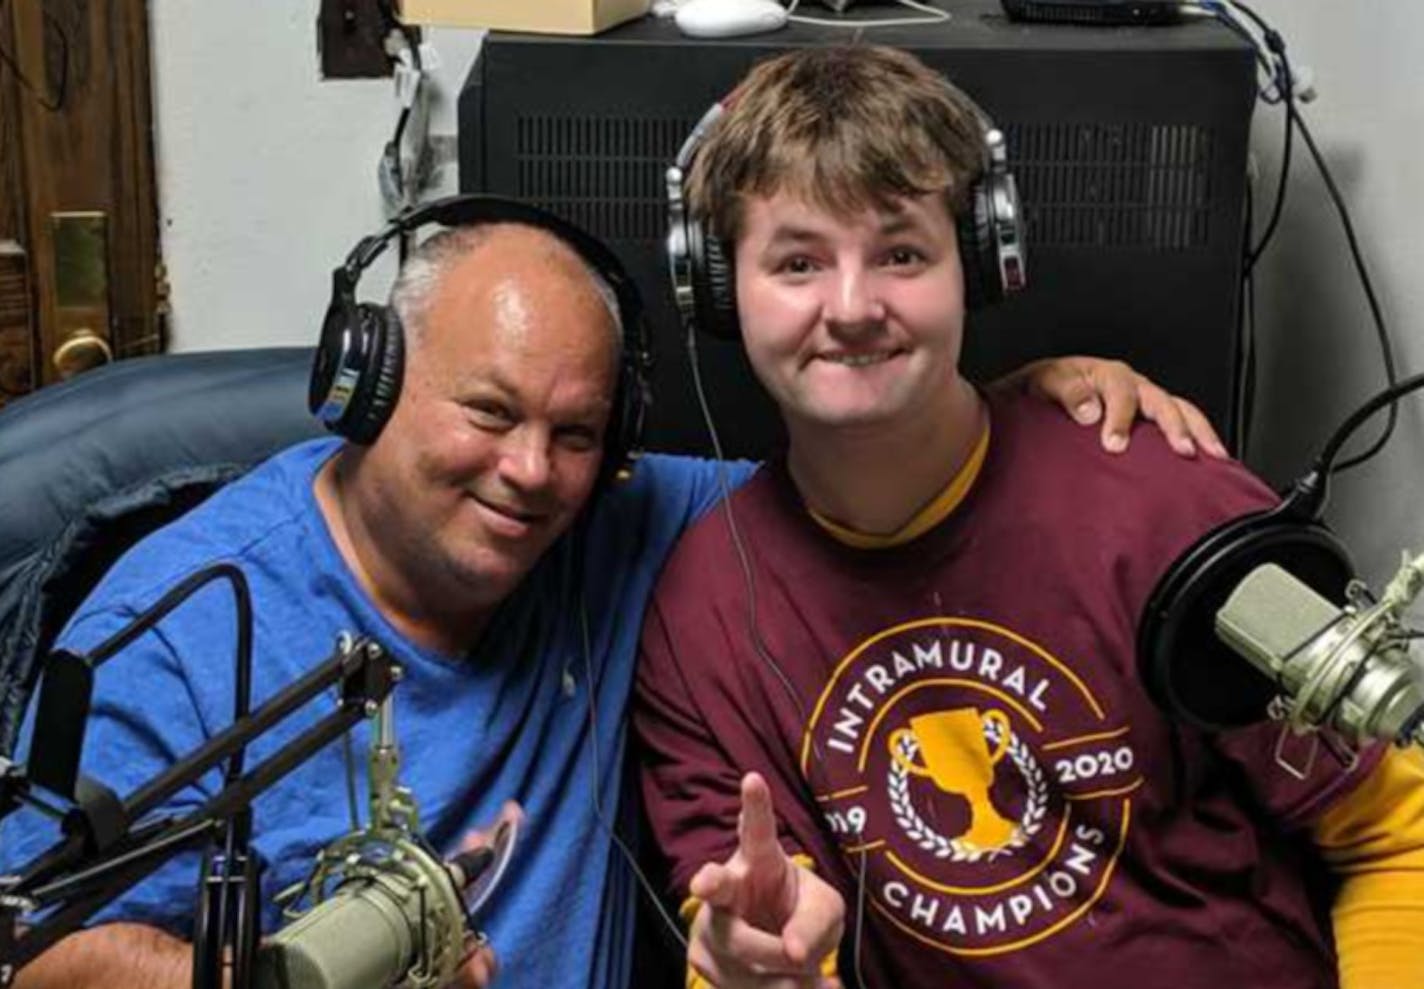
point(473, 210)
point(358, 366)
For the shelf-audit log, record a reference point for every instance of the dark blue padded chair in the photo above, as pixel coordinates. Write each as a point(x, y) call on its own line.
point(90, 466)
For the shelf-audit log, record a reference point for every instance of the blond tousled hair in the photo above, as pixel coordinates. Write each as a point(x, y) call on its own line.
point(843, 128)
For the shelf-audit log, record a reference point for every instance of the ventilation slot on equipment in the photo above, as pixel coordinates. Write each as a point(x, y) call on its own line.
point(604, 174)
point(1114, 185)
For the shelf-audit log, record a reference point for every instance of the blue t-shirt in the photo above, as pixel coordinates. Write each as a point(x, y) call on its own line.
point(510, 720)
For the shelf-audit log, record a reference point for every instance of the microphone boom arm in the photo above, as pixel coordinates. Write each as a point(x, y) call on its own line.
point(68, 874)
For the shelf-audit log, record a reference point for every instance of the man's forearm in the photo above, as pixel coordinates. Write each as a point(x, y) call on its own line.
point(114, 956)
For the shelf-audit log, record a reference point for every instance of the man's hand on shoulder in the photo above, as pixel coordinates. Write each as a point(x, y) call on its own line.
point(1092, 390)
point(765, 921)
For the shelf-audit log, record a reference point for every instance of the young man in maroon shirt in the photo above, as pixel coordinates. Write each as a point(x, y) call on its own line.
point(892, 726)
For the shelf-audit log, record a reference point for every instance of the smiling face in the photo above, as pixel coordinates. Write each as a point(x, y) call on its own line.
point(495, 442)
point(851, 321)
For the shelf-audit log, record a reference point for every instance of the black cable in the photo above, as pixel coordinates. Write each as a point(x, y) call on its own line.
point(1243, 371)
point(1324, 464)
point(1376, 313)
point(1285, 83)
point(393, 146)
point(1248, 398)
point(1275, 44)
point(1261, 25)
point(1281, 89)
point(574, 577)
point(743, 558)
point(62, 85)
point(1244, 382)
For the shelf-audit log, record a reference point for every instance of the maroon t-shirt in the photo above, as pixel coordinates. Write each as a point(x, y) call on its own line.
point(958, 726)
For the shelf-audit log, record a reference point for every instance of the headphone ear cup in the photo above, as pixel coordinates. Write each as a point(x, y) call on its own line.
point(332, 353)
point(380, 384)
point(977, 250)
point(1187, 670)
point(714, 285)
point(359, 367)
point(390, 373)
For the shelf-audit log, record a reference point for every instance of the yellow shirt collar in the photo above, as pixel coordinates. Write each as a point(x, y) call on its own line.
point(935, 512)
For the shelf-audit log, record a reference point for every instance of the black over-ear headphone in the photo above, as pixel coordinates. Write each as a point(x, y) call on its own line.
point(1187, 670)
point(991, 244)
point(360, 361)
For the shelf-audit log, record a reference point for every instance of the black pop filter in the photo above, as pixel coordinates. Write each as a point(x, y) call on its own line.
point(1190, 673)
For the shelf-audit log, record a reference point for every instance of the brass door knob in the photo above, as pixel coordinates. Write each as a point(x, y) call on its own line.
point(80, 351)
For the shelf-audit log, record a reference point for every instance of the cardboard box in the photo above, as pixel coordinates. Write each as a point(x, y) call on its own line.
point(541, 16)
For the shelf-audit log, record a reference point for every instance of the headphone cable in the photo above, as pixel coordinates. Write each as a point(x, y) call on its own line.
point(753, 628)
point(574, 561)
point(743, 558)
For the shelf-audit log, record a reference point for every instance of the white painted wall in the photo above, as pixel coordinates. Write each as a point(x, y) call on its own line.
point(1319, 359)
point(267, 177)
point(267, 173)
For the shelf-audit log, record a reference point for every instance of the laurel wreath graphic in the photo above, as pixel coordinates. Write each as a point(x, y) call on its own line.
point(955, 849)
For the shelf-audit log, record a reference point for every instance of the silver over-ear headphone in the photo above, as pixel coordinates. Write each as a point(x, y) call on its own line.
point(991, 242)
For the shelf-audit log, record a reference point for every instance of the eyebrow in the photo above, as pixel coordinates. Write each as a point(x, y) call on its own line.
point(897, 223)
point(890, 225)
point(481, 382)
point(491, 383)
point(789, 233)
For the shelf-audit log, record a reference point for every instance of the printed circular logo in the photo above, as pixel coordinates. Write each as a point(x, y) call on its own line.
point(984, 783)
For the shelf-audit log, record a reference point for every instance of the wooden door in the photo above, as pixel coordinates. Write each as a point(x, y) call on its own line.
point(80, 275)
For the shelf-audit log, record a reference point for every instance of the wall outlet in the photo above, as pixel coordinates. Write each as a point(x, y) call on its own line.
point(351, 40)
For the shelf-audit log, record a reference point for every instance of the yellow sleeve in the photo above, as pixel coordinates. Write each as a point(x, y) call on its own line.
point(688, 912)
point(1373, 840)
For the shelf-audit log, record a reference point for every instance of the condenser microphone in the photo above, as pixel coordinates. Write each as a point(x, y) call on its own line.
point(1278, 588)
point(395, 915)
point(1187, 669)
point(1347, 669)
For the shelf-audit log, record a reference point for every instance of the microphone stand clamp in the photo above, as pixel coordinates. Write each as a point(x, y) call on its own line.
point(391, 855)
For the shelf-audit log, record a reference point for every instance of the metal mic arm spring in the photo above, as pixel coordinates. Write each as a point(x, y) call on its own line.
point(389, 867)
point(393, 807)
point(1365, 683)
point(394, 816)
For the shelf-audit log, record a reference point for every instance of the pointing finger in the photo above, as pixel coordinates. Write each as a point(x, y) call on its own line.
point(756, 829)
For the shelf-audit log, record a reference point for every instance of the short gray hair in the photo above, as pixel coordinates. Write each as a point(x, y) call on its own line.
point(418, 278)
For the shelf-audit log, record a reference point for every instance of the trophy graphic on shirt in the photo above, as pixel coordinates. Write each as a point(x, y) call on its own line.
point(950, 748)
